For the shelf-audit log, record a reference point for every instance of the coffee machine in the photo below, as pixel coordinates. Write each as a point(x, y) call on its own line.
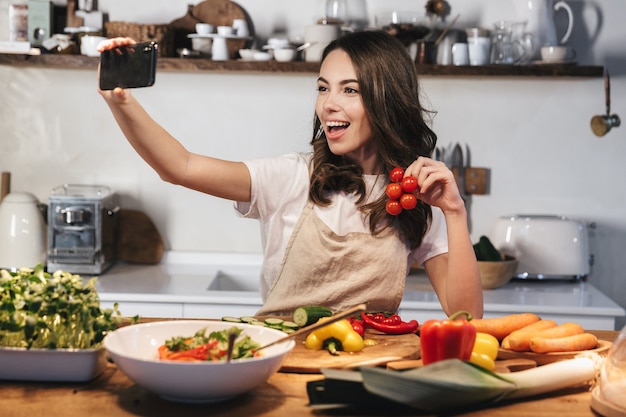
point(81, 228)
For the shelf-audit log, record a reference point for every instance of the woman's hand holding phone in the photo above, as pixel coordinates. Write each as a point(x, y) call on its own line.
point(126, 64)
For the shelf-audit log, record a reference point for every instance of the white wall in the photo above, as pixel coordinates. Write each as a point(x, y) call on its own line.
point(532, 132)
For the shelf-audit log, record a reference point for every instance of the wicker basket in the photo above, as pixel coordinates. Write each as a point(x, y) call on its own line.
point(161, 34)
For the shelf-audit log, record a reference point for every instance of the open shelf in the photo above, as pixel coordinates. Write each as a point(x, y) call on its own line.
point(199, 64)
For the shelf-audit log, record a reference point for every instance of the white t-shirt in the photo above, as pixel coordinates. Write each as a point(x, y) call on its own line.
point(279, 193)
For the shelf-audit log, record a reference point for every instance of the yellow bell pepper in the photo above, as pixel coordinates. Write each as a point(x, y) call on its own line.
point(485, 351)
point(336, 336)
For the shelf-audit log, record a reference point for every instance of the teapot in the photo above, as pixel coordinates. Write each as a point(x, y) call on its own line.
point(23, 231)
point(540, 17)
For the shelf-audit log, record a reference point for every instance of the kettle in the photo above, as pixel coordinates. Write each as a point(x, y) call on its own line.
point(23, 232)
point(540, 16)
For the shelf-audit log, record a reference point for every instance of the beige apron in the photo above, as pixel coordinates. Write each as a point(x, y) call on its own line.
point(323, 268)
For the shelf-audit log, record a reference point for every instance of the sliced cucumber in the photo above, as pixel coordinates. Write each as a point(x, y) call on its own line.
point(305, 315)
point(290, 325)
point(249, 319)
point(271, 321)
point(231, 319)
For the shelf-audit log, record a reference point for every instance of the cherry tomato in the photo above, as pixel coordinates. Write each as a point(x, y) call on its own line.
point(396, 174)
point(408, 201)
point(393, 207)
point(394, 190)
point(409, 184)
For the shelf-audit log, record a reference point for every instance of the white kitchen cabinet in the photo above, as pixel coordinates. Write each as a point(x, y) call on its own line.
point(220, 285)
point(212, 311)
point(147, 309)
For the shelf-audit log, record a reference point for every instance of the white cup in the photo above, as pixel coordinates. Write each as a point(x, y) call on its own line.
point(460, 54)
point(204, 28)
point(240, 27)
point(89, 45)
point(557, 54)
point(479, 45)
point(219, 50)
point(225, 30)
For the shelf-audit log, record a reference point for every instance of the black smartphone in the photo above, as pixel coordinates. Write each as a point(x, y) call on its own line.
point(129, 66)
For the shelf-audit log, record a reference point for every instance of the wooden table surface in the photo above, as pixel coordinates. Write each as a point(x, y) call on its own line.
point(112, 394)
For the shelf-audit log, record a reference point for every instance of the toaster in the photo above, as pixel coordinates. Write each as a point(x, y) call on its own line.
point(546, 246)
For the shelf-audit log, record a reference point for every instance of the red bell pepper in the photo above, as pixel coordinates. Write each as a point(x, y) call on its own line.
point(447, 339)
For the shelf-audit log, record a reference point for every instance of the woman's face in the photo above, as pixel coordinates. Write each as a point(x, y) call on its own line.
point(340, 109)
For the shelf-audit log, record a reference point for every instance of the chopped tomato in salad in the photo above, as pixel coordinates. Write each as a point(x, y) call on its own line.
point(213, 347)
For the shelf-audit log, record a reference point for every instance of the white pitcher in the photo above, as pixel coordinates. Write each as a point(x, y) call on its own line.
point(23, 232)
point(540, 17)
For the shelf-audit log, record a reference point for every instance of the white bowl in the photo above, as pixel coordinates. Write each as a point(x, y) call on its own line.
point(284, 54)
point(52, 365)
point(88, 45)
point(262, 56)
point(204, 28)
point(202, 45)
point(134, 350)
point(247, 54)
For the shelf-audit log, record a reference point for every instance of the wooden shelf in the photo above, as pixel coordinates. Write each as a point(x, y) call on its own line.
point(207, 65)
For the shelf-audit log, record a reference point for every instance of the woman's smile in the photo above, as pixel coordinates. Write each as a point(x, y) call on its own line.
point(336, 129)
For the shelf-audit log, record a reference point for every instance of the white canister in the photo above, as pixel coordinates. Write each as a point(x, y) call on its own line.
point(318, 36)
point(479, 46)
point(23, 232)
point(460, 54)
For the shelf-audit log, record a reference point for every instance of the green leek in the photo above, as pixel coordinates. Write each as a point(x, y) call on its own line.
point(453, 384)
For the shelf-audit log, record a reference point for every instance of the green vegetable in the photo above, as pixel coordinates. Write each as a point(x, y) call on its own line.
point(243, 348)
point(232, 319)
point(485, 251)
point(274, 322)
point(58, 311)
point(453, 384)
point(305, 315)
point(271, 322)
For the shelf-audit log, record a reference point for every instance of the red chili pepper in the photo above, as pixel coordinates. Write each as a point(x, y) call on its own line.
point(393, 319)
point(377, 317)
point(399, 328)
point(358, 327)
point(447, 339)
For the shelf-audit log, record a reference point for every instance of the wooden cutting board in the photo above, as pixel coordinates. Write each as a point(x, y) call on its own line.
point(389, 348)
point(138, 240)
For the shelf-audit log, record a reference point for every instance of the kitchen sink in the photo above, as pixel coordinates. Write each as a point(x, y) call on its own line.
point(242, 280)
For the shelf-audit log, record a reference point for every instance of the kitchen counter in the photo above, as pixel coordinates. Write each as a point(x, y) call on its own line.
point(200, 285)
point(112, 394)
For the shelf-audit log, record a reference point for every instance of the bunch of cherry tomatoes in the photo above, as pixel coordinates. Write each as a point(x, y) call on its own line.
point(399, 191)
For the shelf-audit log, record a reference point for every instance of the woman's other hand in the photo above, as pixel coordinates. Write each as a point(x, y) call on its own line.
point(437, 185)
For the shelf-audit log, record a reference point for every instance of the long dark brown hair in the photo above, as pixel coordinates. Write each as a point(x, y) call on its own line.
point(390, 93)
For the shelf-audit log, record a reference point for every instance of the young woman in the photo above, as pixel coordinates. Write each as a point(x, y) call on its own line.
point(327, 237)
